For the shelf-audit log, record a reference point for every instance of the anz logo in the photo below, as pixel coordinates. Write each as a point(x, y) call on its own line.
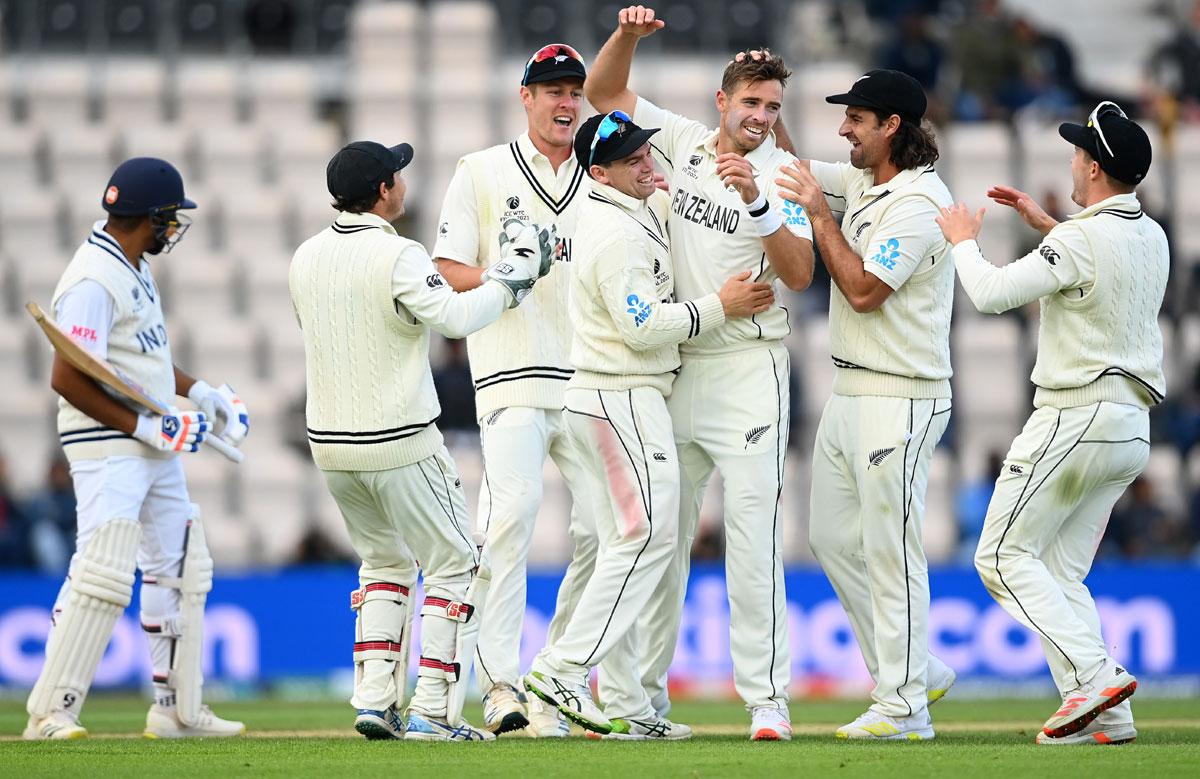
point(640, 310)
point(888, 253)
point(793, 214)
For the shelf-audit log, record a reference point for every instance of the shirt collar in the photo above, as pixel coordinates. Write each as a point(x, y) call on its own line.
point(528, 150)
point(365, 219)
point(901, 179)
point(759, 158)
point(1124, 202)
point(631, 204)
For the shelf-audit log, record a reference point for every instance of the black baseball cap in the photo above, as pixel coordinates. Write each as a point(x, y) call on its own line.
point(552, 62)
point(625, 139)
point(1129, 159)
point(144, 185)
point(358, 168)
point(886, 90)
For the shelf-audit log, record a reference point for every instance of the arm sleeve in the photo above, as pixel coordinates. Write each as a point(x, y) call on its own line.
point(1057, 264)
point(832, 176)
point(674, 130)
point(85, 312)
point(458, 224)
point(418, 287)
point(907, 235)
point(643, 321)
point(794, 217)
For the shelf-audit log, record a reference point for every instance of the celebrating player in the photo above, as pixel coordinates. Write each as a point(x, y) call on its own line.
point(730, 403)
point(366, 299)
point(889, 329)
point(520, 366)
point(625, 351)
point(133, 506)
point(1100, 280)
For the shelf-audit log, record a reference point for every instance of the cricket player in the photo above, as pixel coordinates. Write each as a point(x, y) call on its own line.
point(1099, 278)
point(627, 329)
point(520, 366)
point(366, 299)
point(889, 327)
point(133, 506)
point(729, 406)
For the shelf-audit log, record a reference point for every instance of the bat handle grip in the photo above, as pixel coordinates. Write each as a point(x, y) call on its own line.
point(230, 451)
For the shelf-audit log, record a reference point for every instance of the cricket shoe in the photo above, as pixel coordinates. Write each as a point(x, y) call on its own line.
point(57, 726)
point(379, 725)
point(164, 722)
point(770, 723)
point(873, 725)
point(573, 700)
point(545, 720)
point(938, 680)
point(1111, 685)
point(503, 710)
point(654, 729)
point(1109, 728)
point(425, 728)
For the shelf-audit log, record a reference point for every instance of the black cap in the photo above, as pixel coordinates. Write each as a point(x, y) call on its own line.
point(886, 90)
point(625, 140)
point(144, 185)
point(1130, 158)
point(552, 62)
point(358, 168)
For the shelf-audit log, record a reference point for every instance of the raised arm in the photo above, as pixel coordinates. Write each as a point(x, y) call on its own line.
point(607, 84)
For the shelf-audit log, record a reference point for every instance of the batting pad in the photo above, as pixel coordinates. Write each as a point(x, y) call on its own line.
point(101, 587)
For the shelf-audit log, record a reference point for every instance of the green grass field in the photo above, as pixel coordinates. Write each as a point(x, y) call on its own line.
point(315, 738)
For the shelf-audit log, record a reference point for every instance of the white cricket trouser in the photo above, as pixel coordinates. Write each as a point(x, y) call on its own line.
point(516, 441)
point(395, 518)
point(1051, 506)
point(729, 412)
point(627, 450)
point(153, 492)
point(870, 470)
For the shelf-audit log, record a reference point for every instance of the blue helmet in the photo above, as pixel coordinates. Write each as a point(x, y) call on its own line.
point(144, 186)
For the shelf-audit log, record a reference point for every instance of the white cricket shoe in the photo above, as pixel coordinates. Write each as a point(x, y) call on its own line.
point(1111, 685)
point(572, 699)
point(545, 720)
point(769, 723)
point(422, 727)
point(379, 725)
point(1111, 727)
point(57, 726)
point(939, 678)
point(163, 722)
point(873, 725)
point(503, 710)
point(654, 729)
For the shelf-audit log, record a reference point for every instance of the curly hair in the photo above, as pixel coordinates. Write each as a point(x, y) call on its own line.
point(770, 68)
point(358, 205)
point(913, 145)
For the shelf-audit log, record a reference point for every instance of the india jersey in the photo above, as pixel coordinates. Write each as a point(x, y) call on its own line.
point(712, 236)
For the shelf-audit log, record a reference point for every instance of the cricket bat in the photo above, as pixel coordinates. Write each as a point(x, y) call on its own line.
point(112, 377)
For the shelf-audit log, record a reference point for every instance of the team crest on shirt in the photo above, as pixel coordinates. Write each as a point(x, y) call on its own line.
point(513, 202)
point(858, 233)
point(514, 210)
point(138, 302)
point(690, 170)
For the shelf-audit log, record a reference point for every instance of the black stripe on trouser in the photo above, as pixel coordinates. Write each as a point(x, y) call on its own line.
point(645, 494)
point(780, 444)
point(1018, 507)
point(447, 510)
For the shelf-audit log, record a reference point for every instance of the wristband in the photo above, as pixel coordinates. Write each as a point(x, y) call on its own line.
point(765, 219)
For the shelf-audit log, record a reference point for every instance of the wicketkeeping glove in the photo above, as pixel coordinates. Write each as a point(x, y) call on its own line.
point(179, 431)
point(520, 260)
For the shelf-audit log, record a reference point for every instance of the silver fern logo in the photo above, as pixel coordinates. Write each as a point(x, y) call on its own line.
point(755, 434)
point(879, 455)
point(491, 420)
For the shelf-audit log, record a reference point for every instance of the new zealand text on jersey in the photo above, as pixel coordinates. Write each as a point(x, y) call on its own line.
point(705, 212)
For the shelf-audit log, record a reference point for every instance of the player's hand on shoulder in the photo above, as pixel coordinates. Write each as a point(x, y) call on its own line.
point(639, 20)
point(225, 411)
point(178, 431)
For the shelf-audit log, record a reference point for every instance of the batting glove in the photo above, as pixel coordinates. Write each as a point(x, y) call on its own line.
point(179, 431)
point(225, 410)
point(237, 426)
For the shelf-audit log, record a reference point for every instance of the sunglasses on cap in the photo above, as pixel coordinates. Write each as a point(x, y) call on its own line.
point(550, 51)
point(611, 123)
point(1105, 108)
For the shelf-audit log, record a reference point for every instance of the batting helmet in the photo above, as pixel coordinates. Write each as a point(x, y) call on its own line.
point(144, 186)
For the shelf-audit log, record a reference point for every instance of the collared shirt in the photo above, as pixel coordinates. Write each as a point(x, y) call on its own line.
point(712, 236)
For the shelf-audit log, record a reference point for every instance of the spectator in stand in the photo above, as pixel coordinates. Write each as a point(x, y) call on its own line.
point(971, 505)
point(987, 56)
point(1141, 529)
point(1048, 82)
point(1178, 421)
point(14, 526)
point(51, 514)
point(915, 51)
point(456, 391)
point(1174, 67)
